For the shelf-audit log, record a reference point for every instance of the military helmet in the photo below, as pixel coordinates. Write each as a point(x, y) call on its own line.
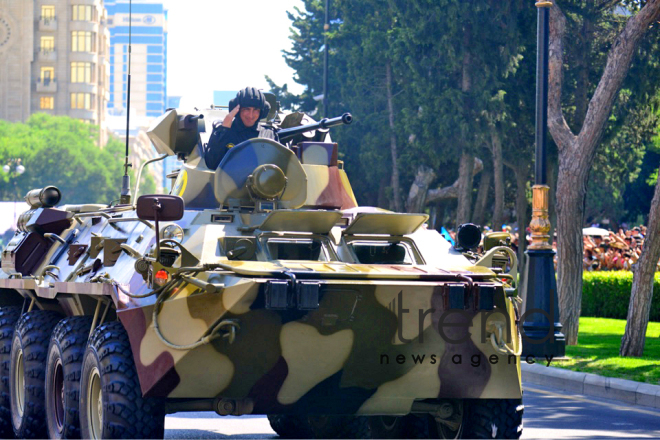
point(251, 97)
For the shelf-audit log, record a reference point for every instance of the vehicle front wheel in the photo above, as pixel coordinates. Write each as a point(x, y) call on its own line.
point(27, 372)
point(111, 401)
point(8, 318)
point(65, 354)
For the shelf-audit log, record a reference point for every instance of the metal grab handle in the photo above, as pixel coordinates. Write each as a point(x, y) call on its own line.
point(501, 346)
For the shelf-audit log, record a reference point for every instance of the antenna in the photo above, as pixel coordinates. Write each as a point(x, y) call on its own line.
point(125, 195)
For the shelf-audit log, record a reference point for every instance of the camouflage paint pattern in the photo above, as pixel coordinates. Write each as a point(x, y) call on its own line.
point(373, 345)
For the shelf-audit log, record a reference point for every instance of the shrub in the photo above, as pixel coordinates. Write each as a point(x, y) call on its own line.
point(607, 295)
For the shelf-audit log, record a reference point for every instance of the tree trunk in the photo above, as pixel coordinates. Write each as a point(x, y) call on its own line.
point(383, 201)
point(583, 62)
point(552, 196)
point(571, 191)
point(498, 175)
point(440, 209)
point(521, 174)
point(451, 192)
point(396, 193)
point(632, 343)
point(482, 197)
point(418, 190)
point(465, 178)
point(576, 153)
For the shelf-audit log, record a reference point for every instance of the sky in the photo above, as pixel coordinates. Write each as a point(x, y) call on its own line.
point(227, 45)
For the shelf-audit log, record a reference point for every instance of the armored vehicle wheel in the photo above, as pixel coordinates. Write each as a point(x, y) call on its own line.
point(8, 318)
point(339, 426)
point(410, 426)
point(27, 372)
point(65, 354)
point(111, 402)
point(290, 426)
point(494, 418)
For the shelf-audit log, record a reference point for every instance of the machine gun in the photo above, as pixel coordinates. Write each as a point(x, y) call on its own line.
point(286, 134)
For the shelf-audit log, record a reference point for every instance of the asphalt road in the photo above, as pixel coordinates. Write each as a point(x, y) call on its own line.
point(549, 414)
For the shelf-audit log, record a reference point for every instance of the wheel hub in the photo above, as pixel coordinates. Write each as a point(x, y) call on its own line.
point(95, 405)
point(19, 382)
point(58, 394)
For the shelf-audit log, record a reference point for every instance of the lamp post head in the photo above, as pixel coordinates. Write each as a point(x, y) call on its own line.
point(6, 168)
point(20, 169)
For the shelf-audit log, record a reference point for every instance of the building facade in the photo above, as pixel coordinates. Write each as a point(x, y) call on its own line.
point(54, 59)
point(148, 68)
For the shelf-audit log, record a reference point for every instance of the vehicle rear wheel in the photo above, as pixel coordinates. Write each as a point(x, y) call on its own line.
point(339, 426)
point(111, 401)
point(27, 372)
point(494, 418)
point(65, 354)
point(8, 318)
point(290, 426)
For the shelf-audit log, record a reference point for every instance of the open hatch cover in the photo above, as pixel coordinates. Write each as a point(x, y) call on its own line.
point(385, 223)
point(317, 222)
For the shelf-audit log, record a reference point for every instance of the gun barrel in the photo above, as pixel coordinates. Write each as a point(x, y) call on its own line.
point(287, 133)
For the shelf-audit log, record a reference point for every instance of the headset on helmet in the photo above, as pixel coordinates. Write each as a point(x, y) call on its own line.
point(251, 97)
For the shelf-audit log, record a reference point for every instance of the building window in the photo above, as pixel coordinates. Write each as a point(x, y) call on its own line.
point(82, 41)
point(47, 12)
point(47, 75)
point(46, 103)
point(82, 13)
point(81, 72)
point(81, 101)
point(47, 44)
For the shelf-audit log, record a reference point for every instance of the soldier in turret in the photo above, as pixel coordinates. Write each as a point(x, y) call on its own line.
point(250, 105)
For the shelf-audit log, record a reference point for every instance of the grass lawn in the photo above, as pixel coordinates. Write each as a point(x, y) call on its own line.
point(599, 340)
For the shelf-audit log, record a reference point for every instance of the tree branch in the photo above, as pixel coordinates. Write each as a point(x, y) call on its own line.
point(557, 125)
point(616, 69)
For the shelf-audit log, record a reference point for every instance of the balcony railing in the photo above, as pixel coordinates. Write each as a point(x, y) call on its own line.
point(47, 23)
point(47, 85)
point(49, 55)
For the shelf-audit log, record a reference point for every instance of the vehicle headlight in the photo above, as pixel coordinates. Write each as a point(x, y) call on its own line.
point(172, 232)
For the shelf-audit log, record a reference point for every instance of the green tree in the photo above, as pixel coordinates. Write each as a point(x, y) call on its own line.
point(577, 151)
point(60, 151)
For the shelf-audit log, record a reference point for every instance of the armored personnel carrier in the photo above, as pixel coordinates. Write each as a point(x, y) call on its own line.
point(257, 288)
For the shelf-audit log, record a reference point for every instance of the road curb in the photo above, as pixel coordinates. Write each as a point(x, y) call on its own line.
point(627, 391)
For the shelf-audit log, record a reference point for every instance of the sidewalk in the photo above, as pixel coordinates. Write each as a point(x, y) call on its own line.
point(628, 391)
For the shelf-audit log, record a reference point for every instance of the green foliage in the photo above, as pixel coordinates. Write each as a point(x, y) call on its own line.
point(60, 151)
point(607, 295)
point(597, 352)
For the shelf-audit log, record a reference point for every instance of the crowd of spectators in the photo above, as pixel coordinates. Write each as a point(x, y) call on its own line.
point(606, 250)
point(616, 251)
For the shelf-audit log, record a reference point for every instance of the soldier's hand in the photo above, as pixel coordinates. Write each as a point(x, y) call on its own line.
point(230, 117)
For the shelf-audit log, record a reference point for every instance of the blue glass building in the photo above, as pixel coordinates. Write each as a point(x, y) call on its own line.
point(148, 56)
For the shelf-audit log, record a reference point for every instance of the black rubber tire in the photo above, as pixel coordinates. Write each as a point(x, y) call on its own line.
point(63, 367)
point(8, 318)
point(410, 426)
point(340, 426)
point(494, 418)
point(30, 346)
point(125, 413)
point(290, 426)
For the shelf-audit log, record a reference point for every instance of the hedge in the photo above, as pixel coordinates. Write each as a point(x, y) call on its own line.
point(607, 294)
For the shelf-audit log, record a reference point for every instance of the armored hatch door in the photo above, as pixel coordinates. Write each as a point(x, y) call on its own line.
point(316, 222)
point(385, 223)
point(378, 238)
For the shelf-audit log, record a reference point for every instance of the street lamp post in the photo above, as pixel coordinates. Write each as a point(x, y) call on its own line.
point(14, 168)
point(326, 28)
point(541, 326)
